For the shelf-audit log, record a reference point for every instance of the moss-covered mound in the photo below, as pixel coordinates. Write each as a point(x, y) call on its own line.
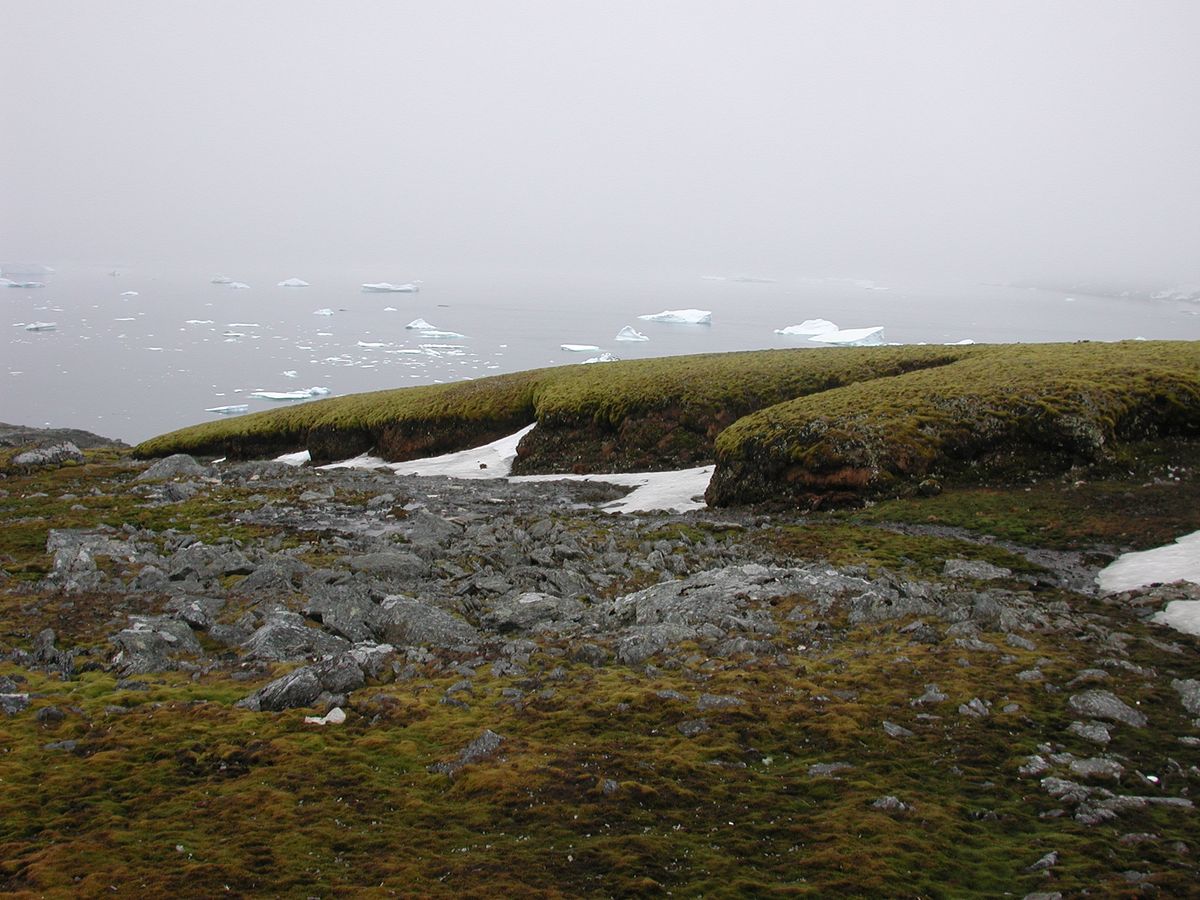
point(1005, 411)
point(638, 414)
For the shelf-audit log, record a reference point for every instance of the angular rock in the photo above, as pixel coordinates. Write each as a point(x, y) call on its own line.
point(180, 465)
point(285, 636)
point(1189, 693)
point(406, 621)
point(1107, 706)
point(152, 644)
point(974, 569)
point(530, 609)
point(53, 455)
point(198, 612)
point(390, 565)
point(483, 747)
point(11, 704)
point(1097, 767)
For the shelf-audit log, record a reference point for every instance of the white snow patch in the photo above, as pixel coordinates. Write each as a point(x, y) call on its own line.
point(1182, 615)
point(851, 337)
point(673, 491)
point(681, 316)
point(335, 716)
point(809, 326)
point(294, 459)
point(1179, 561)
point(629, 333)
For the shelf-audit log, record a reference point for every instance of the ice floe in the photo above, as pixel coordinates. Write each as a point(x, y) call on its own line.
point(602, 358)
point(27, 284)
point(851, 337)
point(303, 394)
point(681, 316)
point(629, 333)
point(809, 326)
point(290, 373)
point(420, 325)
point(293, 282)
point(198, 322)
point(129, 293)
point(42, 326)
point(221, 279)
point(444, 335)
point(238, 286)
point(323, 312)
point(384, 287)
point(579, 348)
point(232, 410)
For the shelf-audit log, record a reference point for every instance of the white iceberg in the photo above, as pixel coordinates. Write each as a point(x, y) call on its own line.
point(303, 394)
point(579, 348)
point(293, 282)
point(25, 269)
point(628, 333)
point(5, 282)
point(27, 284)
point(602, 358)
point(420, 325)
point(41, 326)
point(851, 337)
point(384, 287)
point(434, 333)
point(239, 286)
point(1178, 292)
point(681, 316)
point(129, 293)
point(323, 312)
point(229, 410)
point(221, 279)
point(809, 326)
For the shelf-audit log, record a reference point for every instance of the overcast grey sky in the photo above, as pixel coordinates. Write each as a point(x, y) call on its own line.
point(999, 138)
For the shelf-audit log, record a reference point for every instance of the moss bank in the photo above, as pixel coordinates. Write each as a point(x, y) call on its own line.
point(1002, 413)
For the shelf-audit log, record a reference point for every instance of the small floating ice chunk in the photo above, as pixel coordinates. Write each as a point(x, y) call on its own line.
point(233, 410)
point(221, 279)
point(434, 333)
point(323, 312)
point(290, 373)
point(303, 394)
point(965, 342)
point(420, 325)
point(239, 286)
point(384, 287)
point(852, 337)
point(242, 325)
point(293, 282)
point(129, 293)
point(629, 333)
point(579, 348)
point(27, 284)
point(389, 309)
point(41, 326)
point(751, 279)
point(809, 326)
point(681, 316)
point(602, 358)
point(373, 345)
point(198, 322)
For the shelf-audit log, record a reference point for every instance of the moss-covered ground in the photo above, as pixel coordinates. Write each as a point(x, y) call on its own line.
point(168, 790)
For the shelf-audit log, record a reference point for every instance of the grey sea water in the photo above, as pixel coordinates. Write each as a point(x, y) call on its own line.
point(151, 348)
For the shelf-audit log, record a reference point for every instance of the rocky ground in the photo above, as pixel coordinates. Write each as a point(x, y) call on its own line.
point(256, 678)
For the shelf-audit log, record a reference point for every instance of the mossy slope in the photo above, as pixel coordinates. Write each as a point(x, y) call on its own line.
point(1007, 411)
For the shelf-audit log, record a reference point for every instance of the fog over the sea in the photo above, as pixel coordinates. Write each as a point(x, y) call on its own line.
point(1025, 138)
